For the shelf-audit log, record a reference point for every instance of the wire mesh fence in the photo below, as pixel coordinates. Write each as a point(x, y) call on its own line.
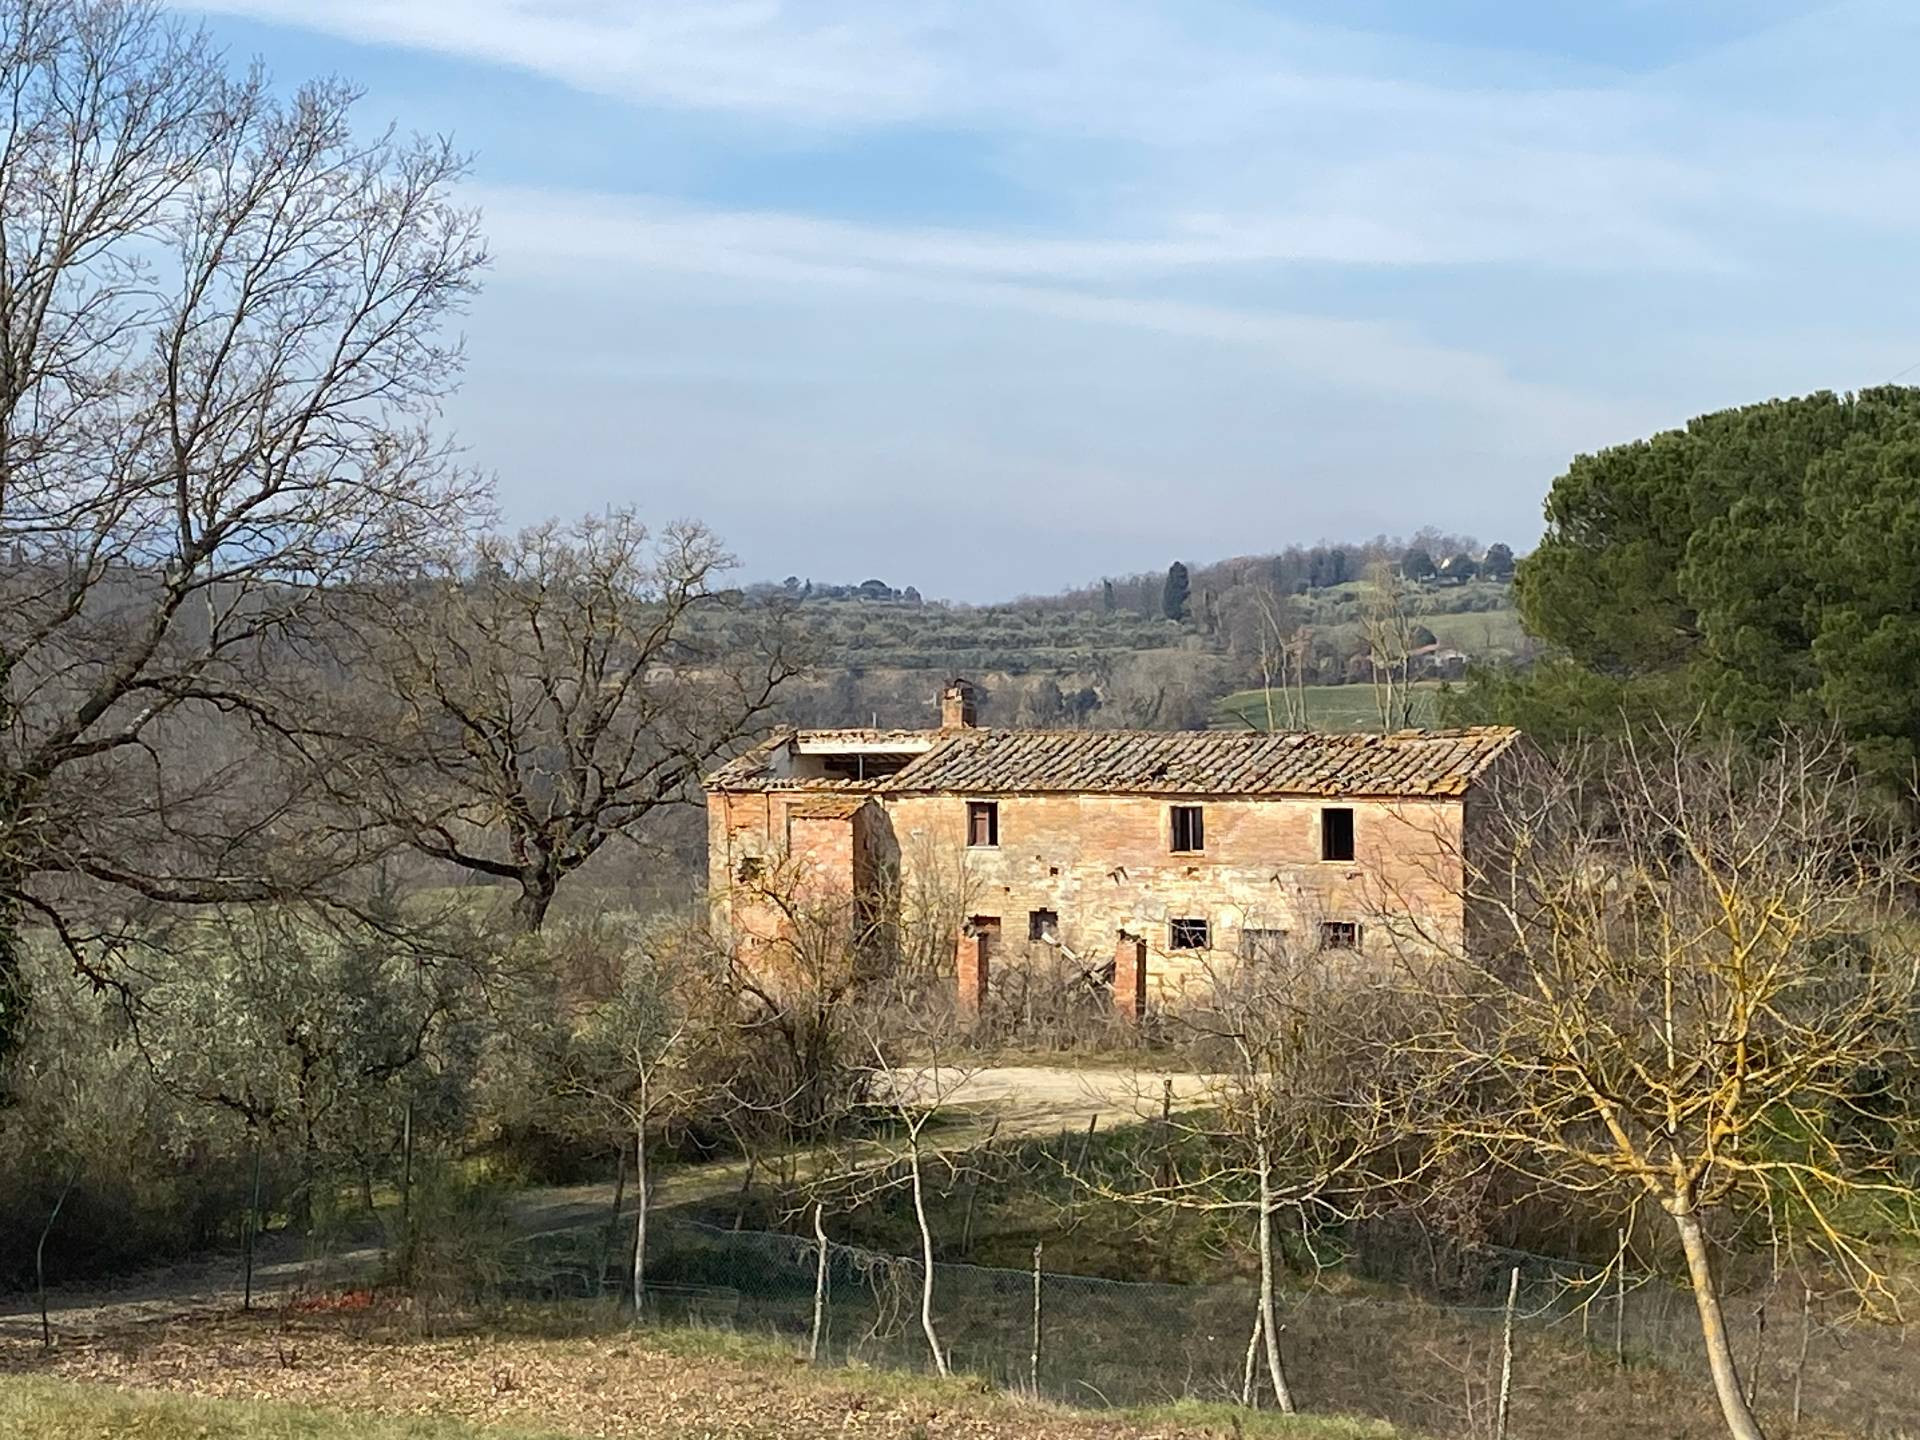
point(1594, 1359)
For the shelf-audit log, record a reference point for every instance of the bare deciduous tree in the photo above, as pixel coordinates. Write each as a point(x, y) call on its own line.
point(1298, 1115)
point(223, 326)
point(545, 696)
point(628, 1055)
point(1389, 636)
point(1283, 663)
point(1690, 986)
point(918, 1066)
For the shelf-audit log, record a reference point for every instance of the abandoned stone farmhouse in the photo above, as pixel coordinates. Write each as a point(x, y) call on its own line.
point(1150, 852)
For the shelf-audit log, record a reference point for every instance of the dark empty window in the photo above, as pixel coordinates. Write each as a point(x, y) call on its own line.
point(752, 867)
point(1042, 925)
point(1187, 935)
point(1189, 830)
point(1263, 944)
point(863, 766)
point(1340, 935)
point(1336, 834)
point(983, 822)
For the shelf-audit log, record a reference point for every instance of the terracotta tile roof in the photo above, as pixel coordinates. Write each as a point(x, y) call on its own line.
point(1412, 763)
point(761, 768)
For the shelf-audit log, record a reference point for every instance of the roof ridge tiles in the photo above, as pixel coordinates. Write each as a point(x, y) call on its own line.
point(1435, 763)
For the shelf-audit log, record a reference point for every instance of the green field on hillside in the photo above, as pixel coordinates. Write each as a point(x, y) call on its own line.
point(1329, 707)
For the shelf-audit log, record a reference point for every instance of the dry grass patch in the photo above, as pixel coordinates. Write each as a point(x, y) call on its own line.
point(371, 1376)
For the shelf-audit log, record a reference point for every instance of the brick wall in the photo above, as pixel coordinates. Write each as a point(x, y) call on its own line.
point(820, 861)
point(1103, 865)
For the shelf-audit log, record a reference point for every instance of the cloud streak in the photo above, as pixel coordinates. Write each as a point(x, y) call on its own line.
point(1259, 272)
point(545, 235)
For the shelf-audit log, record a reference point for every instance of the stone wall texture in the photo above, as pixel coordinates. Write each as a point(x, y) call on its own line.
point(1105, 866)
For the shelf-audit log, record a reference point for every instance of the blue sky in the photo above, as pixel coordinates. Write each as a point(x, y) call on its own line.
point(992, 296)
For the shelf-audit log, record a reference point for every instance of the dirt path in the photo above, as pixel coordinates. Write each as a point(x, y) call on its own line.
point(205, 1285)
point(1035, 1099)
point(1024, 1099)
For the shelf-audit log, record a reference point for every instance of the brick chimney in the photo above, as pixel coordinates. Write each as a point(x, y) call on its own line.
point(956, 706)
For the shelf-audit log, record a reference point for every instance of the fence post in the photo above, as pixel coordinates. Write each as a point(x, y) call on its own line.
point(1806, 1336)
point(1620, 1300)
point(973, 1190)
point(1506, 1357)
point(1165, 1176)
point(1086, 1144)
point(253, 1225)
point(406, 1169)
point(1033, 1360)
point(819, 1287)
point(1759, 1353)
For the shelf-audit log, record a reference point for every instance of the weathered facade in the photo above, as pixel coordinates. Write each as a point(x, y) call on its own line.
point(1145, 851)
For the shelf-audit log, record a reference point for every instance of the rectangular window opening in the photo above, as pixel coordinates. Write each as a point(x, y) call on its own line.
point(1043, 925)
point(1187, 935)
point(1189, 830)
point(989, 926)
point(1336, 834)
point(983, 823)
point(1339, 935)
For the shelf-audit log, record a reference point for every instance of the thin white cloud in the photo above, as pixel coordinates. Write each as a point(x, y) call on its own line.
point(1286, 141)
point(837, 63)
point(543, 235)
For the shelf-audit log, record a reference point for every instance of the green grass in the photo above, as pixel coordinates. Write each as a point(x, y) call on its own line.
point(1212, 1418)
point(37, 1407)
point(1478, 632)
point(1329, 707)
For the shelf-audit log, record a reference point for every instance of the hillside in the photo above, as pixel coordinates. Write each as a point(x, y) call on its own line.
point(1110, 657)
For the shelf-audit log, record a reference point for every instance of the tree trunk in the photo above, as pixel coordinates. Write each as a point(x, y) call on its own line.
point(819, 1284)
point(926, 1262)
point(1282, 1395)
point(746, 1187)
point(13, 990)
point(1253, 1351)
point(640, 1198)
point(40, 1259)
point(612, 1238)
point(530, 906)
point(1713, 1331)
